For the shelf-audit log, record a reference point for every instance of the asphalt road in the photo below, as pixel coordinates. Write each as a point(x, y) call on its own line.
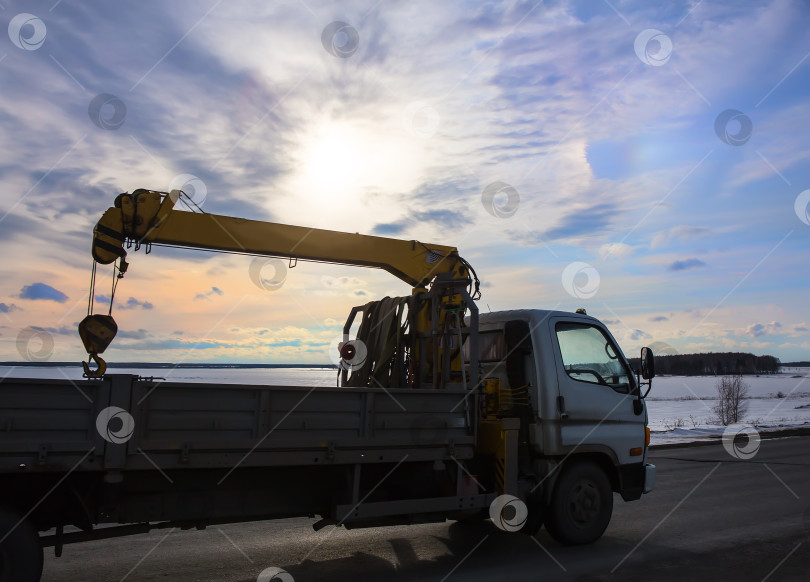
point(711, 517)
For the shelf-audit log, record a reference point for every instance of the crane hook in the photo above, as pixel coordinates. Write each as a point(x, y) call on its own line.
point(99, 371)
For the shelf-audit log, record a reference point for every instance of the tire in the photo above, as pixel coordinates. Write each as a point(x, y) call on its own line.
point(581, 505)
point(537, 514)
point(20, 551)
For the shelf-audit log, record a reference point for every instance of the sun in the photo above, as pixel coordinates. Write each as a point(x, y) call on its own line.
point(347, 174)
point(334, 160)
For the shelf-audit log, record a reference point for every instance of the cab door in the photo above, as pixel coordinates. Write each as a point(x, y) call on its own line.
point(596, 391)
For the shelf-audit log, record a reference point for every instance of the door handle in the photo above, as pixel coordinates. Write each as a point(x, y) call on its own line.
point(561, 406)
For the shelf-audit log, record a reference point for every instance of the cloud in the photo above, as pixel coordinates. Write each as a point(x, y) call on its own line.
point(135, 334)
point(352, 286)
point(207, 294)
point(444, 217)
point(665, 237)
point(441, 217)
point(341, 282)
point(617, 250)
point(572, 226)
point(62, 330)
point(586, 221)
point(4, 308)
point(176, 344)
point(133, 303)
point(761, 329)
point(211, 344)
point(659, 318)
point(41, 291)
point(635, 335)
point(292, 343)
point(130, 303)
point(389, 229)
point(685, 264)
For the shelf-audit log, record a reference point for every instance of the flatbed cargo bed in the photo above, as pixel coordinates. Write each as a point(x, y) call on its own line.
point(60, 425)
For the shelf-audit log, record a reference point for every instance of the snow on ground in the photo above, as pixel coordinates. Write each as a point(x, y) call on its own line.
point(680, 407)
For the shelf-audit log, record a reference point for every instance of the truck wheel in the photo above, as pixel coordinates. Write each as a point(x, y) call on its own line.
point(537, 513)
point(581, 505)
point(20, 550)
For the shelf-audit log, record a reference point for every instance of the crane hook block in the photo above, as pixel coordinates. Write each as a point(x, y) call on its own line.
point(97, 331)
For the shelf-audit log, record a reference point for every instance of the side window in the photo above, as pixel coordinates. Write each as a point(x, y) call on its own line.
point(491, 347)
point(589, 356)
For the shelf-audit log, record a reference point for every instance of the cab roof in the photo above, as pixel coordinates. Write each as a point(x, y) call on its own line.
point(533, 315)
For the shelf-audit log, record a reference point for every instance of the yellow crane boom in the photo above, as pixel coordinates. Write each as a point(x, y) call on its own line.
point(148, 217)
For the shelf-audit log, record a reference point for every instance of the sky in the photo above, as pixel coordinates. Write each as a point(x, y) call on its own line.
point(649, 162)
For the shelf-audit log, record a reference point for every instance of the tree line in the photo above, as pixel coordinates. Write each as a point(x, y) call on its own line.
point(713, 364)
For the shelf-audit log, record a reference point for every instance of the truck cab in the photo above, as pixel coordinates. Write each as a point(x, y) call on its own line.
point(583, 422)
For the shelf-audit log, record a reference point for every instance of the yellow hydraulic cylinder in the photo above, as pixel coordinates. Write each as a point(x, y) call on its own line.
point(491, 392)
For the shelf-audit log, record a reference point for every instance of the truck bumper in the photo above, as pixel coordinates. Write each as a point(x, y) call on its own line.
point(636, 479)
point(649, 477)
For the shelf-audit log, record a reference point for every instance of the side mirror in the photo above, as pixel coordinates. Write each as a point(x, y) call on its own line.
point(647, 364)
